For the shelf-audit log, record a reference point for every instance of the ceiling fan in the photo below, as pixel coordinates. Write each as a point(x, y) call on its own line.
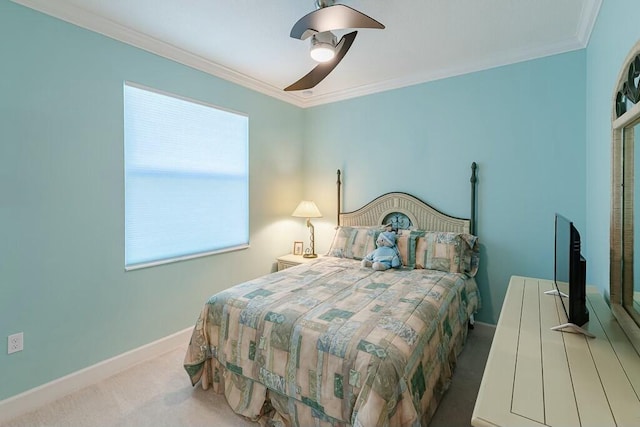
point(319, 25)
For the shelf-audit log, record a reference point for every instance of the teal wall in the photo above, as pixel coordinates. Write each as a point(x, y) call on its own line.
point(62, 278)
point(524, 124)
point(615, 33)
point(539, 131)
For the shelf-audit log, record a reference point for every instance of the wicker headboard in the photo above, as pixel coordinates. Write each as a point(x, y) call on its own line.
point(405, 211)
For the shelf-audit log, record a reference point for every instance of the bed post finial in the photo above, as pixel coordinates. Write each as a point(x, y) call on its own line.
point(339, 184)
point(473, 180)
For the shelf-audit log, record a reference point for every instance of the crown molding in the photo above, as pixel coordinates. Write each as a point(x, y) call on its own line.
point(588, 18)
point(106, 27)
point(506, 58)
point(92, 22)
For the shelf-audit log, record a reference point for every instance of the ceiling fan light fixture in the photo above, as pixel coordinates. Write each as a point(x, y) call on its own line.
point(320, 53)
point(323, 47)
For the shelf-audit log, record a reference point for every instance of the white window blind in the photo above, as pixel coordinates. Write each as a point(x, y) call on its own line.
point(186, 178)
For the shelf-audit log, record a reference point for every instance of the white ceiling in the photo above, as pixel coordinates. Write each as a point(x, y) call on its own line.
point(247, 41)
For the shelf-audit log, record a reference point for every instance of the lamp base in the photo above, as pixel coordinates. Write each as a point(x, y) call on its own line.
point(310, 256)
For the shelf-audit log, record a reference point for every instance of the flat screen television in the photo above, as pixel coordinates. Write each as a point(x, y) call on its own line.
point(570, 274)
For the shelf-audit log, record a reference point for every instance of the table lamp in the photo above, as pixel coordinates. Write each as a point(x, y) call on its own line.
point(308, 209)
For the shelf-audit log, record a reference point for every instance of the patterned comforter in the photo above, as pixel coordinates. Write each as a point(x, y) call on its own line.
point(330, 343)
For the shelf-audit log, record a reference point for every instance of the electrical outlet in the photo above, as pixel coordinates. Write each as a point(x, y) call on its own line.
point(15, 343)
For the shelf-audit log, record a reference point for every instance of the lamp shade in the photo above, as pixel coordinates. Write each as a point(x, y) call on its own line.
point(307, 209)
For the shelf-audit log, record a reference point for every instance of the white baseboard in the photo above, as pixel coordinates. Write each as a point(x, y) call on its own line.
point(47, 393)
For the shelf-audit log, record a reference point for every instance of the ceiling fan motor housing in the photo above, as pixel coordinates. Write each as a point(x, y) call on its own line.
point(324, 3)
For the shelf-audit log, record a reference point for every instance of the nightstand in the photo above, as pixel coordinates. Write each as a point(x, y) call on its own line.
point(290, 260)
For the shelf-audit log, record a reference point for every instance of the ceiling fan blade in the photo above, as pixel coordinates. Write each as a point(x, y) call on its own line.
point(322, 70)
point(336, 17)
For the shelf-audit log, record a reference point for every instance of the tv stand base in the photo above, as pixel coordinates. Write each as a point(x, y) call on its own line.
point(562, 328)
point(555, 293)
point(573, 328)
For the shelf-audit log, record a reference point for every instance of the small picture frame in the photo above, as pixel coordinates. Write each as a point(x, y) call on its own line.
point(298, 248)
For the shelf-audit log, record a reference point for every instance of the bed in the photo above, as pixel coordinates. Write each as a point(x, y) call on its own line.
point(331, 343)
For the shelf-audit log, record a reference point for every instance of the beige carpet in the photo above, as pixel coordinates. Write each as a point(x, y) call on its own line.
point(158, 393)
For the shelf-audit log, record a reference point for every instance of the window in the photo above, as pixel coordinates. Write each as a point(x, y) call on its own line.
point(186, 178)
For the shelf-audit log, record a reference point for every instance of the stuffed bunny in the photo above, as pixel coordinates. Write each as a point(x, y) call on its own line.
point(386, 255)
